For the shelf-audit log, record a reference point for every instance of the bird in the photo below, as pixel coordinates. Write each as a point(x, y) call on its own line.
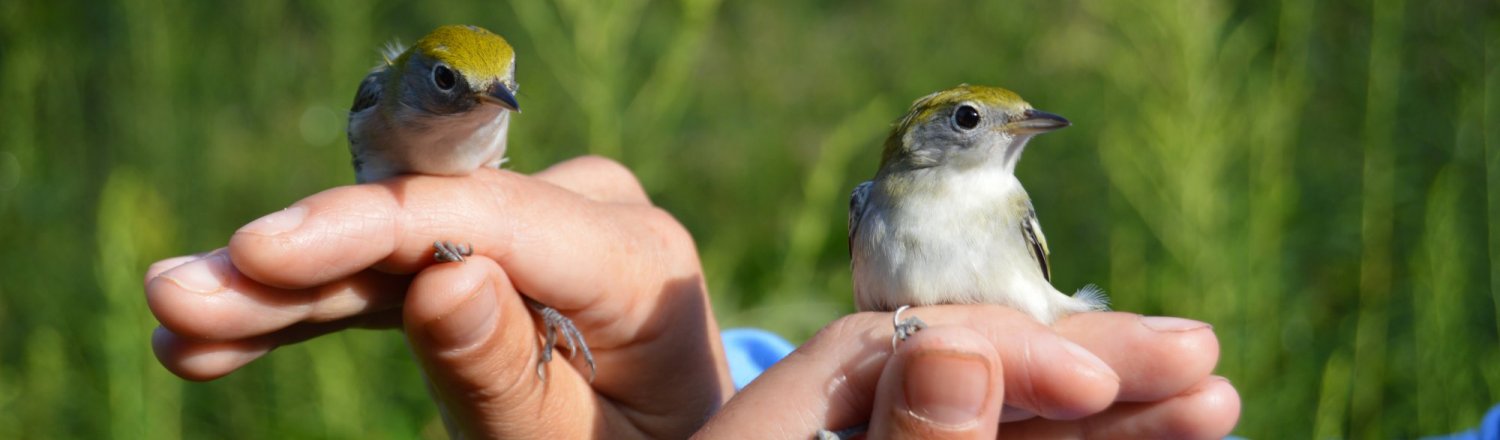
point(946, 221)
point(443, 107)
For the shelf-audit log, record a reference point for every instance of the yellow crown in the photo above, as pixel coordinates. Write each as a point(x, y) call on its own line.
point(923, 109)
point(472, 51)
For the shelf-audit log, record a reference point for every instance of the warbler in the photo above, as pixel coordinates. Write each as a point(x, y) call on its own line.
point(443, 107)
point(945, 221)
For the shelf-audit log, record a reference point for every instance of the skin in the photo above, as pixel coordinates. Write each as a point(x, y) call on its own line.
point(1127, 377)
point(359, 256)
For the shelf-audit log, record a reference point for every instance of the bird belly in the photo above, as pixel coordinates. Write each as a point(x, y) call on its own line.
point(953, 254)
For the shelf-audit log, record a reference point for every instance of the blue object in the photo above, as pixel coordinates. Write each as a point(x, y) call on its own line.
point(751, 351)
point(1489, 429)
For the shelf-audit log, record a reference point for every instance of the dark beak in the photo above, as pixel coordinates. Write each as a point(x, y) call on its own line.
point(1036, 121)
point(501, 95)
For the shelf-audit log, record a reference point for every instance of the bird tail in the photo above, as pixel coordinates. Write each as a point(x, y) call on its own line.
point(1094, 297)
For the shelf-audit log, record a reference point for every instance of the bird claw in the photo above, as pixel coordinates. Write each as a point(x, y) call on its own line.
point(555, 324)
point(553, 321)
point(904, 328)
point(846, 433)
point(449, 252)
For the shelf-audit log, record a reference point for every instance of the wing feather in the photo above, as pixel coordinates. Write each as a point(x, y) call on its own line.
point(1032, 230)
point(369, 90)
point(857, 201)
point(364, 99)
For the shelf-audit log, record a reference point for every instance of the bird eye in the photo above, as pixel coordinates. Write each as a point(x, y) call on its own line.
point(966, 117)
point(444, 77)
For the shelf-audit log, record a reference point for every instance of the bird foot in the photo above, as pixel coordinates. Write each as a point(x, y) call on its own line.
point(553, 321)
point(450, 252)
point(555, 324)
point(904, 328)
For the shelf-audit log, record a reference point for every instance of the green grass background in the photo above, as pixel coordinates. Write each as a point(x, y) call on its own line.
point(1319, 180)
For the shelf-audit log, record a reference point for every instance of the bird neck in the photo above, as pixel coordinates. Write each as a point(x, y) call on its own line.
point(945, 183)
point(1011, 153)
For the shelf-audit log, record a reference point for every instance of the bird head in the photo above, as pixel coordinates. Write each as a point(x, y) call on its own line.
point(965, 127)
point(456, 68)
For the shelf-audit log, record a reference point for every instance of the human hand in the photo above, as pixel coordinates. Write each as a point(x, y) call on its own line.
point(1092, 375)
point(581, 237)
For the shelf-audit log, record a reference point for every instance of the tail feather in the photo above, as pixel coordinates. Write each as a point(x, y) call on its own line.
point(1094, 297)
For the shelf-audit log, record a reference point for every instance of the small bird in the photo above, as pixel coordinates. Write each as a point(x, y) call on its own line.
point(945, 221)
point(443, 107)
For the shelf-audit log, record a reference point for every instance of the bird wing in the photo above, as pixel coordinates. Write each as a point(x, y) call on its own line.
point(1032, 230)
point(857, 209)
point(365, 98)
point(369, 90)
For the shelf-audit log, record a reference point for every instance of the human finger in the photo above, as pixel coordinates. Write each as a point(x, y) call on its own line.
point(478, 344)
point(202, 360)
point(169, 263)
point(1208, 409)
point(1045, 373)
point(209, 298)
point(566, 250)
point(830, 381)
point(942, 383)
point(598, 178)
point(1155, 356)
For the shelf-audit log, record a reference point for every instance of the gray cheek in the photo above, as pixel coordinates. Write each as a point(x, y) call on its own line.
point(929, 145)
point(450, 103)
point(421, 93)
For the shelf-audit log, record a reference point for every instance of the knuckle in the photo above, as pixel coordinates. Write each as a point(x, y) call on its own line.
point(598, 163)
point(1213, 411)
point(612, 174)
point(612, 170)
point(665, 227)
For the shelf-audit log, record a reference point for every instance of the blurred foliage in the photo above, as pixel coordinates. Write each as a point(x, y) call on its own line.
point(1319, 180)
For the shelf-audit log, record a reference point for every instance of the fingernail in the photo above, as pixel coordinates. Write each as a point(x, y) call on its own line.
point(1088, 358)
point(277, 222)
point(1172, 324)
point(207, 275)
point(161, 267)
point(947, 388)
point(219, 359)
point(469, 322)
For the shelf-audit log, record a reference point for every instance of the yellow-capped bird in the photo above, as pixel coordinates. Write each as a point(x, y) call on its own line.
point(443, 107)
point(945, 221)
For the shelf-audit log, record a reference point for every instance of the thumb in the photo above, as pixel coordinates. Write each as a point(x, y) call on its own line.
point(478, 344)
point(944, 382)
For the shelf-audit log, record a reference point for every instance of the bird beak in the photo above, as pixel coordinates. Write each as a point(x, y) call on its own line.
point(501, 96)
point(1035, 121)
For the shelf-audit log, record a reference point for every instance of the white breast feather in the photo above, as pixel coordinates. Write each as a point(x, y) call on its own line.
point(955, 246)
